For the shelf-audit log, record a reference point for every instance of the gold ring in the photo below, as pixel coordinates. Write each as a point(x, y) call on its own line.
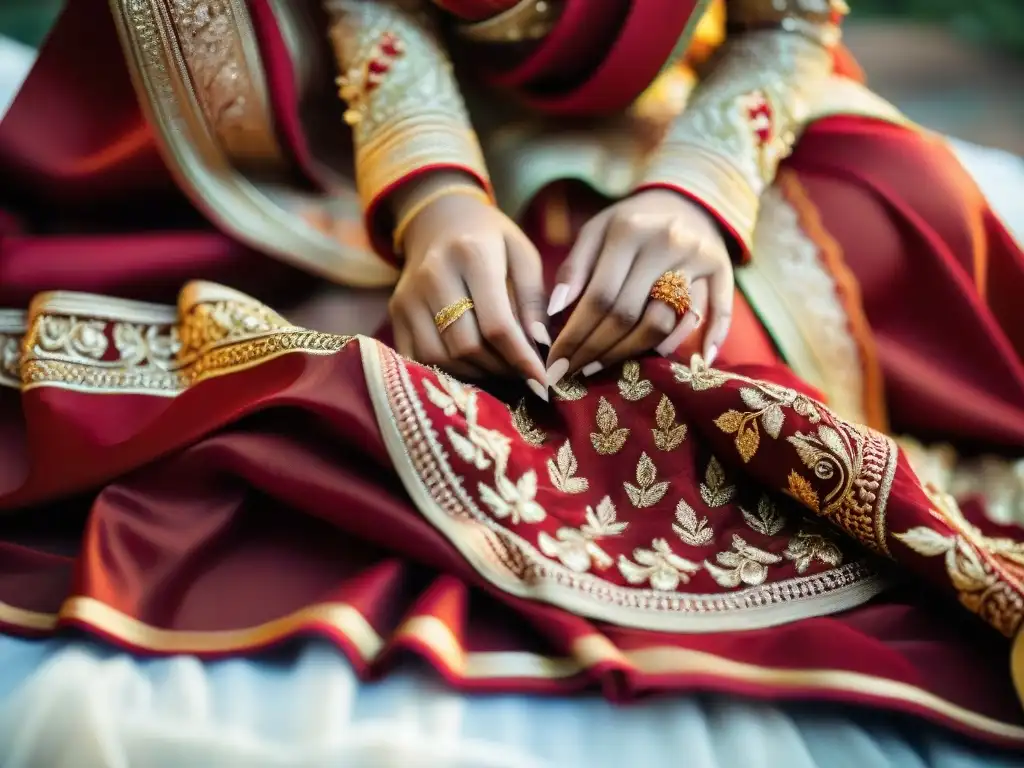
point(451, 313)
point(674, 289)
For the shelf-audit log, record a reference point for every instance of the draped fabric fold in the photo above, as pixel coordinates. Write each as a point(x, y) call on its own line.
point(212, 479)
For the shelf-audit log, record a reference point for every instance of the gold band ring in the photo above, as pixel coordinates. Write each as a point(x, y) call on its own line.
point(674, 289)
point(448, 315)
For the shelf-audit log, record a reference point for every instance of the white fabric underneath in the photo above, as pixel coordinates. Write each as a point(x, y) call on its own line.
point(85, 707)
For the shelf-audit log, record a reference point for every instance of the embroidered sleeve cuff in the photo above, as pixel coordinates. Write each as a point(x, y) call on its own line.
point(403, 103)
point(712, 182)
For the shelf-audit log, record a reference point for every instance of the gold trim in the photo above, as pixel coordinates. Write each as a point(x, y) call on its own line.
point(527, 20)
point(587, 651)
point(258, 215)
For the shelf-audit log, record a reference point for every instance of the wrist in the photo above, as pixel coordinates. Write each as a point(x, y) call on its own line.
point(427, 191)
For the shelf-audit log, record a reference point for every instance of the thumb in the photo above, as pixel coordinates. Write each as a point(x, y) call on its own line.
point(526, 274)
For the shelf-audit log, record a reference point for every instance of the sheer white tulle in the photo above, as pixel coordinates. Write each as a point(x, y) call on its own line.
point(85, 706)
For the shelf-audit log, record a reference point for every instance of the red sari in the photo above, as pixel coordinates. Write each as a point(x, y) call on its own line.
point(209, 478)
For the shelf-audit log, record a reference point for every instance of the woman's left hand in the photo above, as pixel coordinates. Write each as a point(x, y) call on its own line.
point(616, 260)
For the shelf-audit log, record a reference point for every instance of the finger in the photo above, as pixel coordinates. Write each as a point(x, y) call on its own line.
point(526, 273)
point(689, 322)
point(403, 338)
point(442, 286)
point(497, 321)
point(599, 298)
point(627, 316)
point(578, 265)
point(658, 321)
point(427, 347)
point(721, 287)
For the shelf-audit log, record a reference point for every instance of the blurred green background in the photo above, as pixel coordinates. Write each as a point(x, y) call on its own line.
point(999, 22)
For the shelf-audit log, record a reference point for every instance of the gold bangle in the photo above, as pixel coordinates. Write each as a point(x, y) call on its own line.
point(431, 197)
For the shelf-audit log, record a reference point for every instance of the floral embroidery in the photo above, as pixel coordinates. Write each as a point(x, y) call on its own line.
point(631, 386)
point(746, 565)
point(809, 545)
point(646, 492)
point(986, 572)
point(767, 401)
point(514, 500)
point(570, 389)
point(667, 435)
point(525, 426)
point(696, 533)
point(659, 565)
point(562, 471)
point(767, 521)
point(577, 549)
point(360, 81)
point(698, 375)
point(801, 490)
point(715, 491)
point(611, 437)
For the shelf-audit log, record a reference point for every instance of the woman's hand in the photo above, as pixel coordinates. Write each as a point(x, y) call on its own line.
point(615, 262)
point(459, 246)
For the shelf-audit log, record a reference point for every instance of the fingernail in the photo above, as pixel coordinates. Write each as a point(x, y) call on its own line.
point(540, 333)
point(557, 371)
point(558, 297)
point(591, 368)
point(712, 354)
point(538, 389)
point(667, 347)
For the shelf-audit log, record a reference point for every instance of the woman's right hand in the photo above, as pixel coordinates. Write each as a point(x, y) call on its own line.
point(460, 246)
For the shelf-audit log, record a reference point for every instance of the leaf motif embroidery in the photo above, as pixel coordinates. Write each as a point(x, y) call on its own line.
point(611, 437)
point(631, 386)
point(570, 389)
point(442, 400)
point(698, 375)
point(525, 426)
point(801, 490)
point(562, 471)
point(647, 492)
point(743, 564)
point(696, 533)
point(659, 566)
point(715, 491)
point(668, 435)
point(808, 546)
point(467, 450)
point(516, 501)
point(577, 549)
point(767, 521)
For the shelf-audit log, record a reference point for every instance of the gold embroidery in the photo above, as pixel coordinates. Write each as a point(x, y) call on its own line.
point(577, 549)
point(767, 521)
point(667, 435)
point(562, 471)
point(570, 389)
point(801, 490)
point(611, 437)
point(403, 100)
point(659, 565)
point(715, 491)
point(861, 463)
point(809, 545)
point(631, 386)
point(12, 328)
point(987, 573)
point(741, 122)
point(744, 565)
point(71, 343)
point(525, 426)
point(696, 533)
point(647, 492)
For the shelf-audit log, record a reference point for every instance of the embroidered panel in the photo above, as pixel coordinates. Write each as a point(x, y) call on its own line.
point(617, 514)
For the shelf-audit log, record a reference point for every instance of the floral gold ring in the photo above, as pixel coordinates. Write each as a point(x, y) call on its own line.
point(674, 289)
point(448, 315)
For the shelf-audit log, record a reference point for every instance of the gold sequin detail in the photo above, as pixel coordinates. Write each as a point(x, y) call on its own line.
point(648, 491)
point(525, 426)
point(610, 437)
point(667, 435)
point(631, 386)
